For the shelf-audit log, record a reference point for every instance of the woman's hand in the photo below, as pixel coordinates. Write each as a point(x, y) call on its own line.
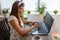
point(36, 25)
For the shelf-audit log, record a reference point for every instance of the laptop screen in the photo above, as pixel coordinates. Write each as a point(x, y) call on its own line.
point(48, 21)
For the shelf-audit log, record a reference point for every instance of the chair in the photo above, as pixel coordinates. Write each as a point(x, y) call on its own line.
point(4, 30)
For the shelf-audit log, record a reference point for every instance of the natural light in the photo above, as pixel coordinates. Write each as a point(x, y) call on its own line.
point(31, 5)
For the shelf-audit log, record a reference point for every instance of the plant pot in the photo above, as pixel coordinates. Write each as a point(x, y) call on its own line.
point(42, 15)
point(5, 15)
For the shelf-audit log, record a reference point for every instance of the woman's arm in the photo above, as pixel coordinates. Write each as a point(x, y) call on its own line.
point(18, 28)
point(27, 22)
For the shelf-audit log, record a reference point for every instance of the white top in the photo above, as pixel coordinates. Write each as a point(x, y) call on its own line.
point(13, 33)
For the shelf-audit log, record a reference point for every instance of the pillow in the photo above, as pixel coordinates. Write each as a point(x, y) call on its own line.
point(48, 20)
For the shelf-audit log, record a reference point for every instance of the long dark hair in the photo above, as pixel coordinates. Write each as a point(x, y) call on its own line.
point(15, 7)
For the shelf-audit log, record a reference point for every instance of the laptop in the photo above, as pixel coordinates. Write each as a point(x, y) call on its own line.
point(48, 21)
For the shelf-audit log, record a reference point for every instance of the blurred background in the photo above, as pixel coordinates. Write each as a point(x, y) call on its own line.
point(34, 6)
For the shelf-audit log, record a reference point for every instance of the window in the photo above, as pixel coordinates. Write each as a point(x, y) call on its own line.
point(7, 4)
point(30, 4)
point(51, 5)
point(0, 7)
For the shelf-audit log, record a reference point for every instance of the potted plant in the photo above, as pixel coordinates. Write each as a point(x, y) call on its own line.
point(24, 16)
point(41, 9)
point(55, 11)
point(5, 11)
point(28, 12)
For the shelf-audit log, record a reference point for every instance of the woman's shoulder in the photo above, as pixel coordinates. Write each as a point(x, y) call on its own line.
point(12, 18)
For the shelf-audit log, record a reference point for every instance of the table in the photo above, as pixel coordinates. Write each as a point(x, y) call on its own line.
point(55, 28)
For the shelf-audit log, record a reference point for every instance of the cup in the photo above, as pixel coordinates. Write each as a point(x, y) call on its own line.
point(36, 37)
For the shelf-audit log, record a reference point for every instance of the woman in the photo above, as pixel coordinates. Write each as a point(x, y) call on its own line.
point(16, 22)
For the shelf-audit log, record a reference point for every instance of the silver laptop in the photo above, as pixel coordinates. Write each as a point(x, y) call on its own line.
point(48, 21)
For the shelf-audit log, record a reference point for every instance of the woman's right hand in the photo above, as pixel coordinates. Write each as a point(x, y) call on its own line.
point(36, 25)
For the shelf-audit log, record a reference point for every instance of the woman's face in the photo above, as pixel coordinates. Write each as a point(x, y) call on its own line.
point(21, 10)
